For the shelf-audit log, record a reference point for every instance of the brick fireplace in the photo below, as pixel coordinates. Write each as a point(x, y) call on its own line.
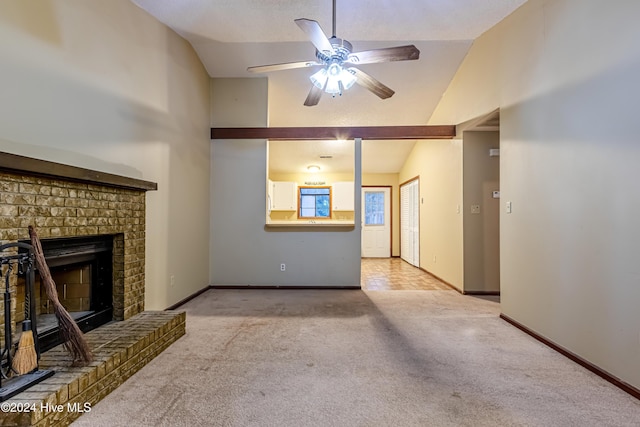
point(67, 202)
point(76, 208)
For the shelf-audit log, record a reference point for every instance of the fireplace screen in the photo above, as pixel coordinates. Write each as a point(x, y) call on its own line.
point(82, 269)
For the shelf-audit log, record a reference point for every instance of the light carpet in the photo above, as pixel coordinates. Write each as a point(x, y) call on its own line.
point(358, 358)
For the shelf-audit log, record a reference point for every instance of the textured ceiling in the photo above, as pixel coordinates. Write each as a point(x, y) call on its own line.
point(245, 21)
point(231, 35)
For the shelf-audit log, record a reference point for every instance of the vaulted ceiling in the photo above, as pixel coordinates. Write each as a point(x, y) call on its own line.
point(231, 35)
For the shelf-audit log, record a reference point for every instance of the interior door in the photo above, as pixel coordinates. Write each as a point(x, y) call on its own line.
point(376, 222)
point(410, 222)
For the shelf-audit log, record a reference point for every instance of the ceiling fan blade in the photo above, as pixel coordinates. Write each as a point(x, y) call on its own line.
point(398, 53)
point(316, 35)
point(314, 96)
point(368, 82)
point(284, 66)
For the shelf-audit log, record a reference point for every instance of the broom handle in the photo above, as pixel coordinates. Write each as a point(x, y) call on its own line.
point(7, 318)
point(43, 268)
point(31, 310)
point(27, 299)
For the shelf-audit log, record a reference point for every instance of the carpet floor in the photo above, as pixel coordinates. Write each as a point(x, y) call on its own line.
point(358, 358)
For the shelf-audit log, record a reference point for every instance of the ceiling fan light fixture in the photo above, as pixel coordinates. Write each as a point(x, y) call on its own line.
point(334, 55)
point(333, 79)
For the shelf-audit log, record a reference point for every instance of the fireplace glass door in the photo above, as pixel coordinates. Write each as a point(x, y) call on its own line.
point(82, 269)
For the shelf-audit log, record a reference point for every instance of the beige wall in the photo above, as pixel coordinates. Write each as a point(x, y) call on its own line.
point(102, 85)
point(245, 252)
point(565, 75)
point(438, 164)
point(481, 176)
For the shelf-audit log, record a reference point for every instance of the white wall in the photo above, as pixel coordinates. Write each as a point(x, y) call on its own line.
point(438, 164)
point(104, 86)
point(565, 75)
point(243, 251)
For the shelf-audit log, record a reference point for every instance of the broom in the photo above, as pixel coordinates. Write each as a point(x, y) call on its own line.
point(26, 359)
point(73, 339)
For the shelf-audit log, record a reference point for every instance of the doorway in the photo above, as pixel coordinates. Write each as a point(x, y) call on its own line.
point(376, 222)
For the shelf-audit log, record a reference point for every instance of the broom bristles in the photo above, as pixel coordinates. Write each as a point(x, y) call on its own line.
point(70, 331)
point(25, 359)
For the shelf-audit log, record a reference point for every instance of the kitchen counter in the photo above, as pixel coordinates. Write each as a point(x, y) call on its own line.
point(310, 223)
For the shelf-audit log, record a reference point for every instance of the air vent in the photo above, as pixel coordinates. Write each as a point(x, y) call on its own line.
point(326, 157)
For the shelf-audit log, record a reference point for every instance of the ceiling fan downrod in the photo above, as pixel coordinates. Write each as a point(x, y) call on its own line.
point(334, 19)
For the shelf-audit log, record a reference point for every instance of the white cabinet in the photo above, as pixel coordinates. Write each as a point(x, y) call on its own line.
point(343, 196)
point(283, 195)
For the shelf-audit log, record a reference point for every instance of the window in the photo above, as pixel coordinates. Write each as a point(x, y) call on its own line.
point(315, 202)
point(374, 208)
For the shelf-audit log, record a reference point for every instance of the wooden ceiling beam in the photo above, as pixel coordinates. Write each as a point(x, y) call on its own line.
point(322, 133)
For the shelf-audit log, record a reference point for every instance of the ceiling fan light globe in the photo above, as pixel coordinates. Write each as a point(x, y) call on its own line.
point(333, 86)
point(347, 78)
point(334, 70)
point(319, 79)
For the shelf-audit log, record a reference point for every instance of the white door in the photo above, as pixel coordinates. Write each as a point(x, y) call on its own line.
point(410, 222)
point(376, 222)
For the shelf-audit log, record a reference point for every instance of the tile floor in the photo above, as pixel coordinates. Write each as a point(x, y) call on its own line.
point(384, 274)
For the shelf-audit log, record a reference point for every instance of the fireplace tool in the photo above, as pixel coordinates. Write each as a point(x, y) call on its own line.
point(21, 264)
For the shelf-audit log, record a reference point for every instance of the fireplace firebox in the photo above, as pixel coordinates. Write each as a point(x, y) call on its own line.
point(82, 268)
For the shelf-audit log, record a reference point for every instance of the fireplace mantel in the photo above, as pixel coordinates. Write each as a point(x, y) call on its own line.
point(28, 165)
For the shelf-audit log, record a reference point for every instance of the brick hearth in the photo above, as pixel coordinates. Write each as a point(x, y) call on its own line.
point(120, 350)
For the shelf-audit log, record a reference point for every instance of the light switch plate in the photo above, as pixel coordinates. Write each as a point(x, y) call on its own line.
point(508, 207)
point(475, 209)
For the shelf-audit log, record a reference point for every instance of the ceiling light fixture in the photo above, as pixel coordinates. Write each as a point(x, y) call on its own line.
point(313, 168)
point(337, 59)
point(334, 78)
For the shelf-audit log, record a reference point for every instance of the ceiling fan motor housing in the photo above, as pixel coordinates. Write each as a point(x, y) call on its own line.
point(342, 50)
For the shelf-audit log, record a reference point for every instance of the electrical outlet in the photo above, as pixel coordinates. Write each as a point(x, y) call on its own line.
point(283, 267)
point(172, 280)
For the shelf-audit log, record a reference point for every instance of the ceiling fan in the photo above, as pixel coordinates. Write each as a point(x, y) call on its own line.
point(336, 58)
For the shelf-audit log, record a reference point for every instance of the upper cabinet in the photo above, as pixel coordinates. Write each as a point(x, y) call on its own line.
point(343, 196)
point(283, 195)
